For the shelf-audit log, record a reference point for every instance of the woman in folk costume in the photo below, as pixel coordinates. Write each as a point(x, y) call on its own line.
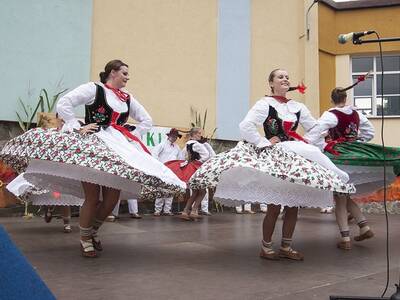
point(197, 153)
point(343, 134)
point(270, 170)
point(107, 162)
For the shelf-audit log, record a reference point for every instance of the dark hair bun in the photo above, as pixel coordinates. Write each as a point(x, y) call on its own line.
point(103, 77)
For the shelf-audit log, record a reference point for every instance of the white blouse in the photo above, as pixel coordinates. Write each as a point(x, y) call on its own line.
point(199, 148)
point(86, 93)
point(329, 120)
point(259, 113)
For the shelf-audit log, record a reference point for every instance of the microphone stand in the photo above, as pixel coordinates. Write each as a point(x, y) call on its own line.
point(307, 21)
point(396, 295)
point(358, 41)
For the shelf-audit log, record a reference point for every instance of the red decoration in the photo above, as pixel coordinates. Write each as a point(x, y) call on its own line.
point(126, 132)
point(361, 78)
point(120, 94)
point(56, 195)
point(287, 127)
point(301, 88)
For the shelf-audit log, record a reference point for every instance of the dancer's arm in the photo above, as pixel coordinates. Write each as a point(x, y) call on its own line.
point(202, 150)
point(254, 119)
point(82, 95)
point(209, 149)
point(307, 121)
point(316, 135)
point(366, 130)
point(139, 113)
point(157, 150)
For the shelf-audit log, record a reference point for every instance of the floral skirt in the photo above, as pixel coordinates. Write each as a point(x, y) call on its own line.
point(274, 175)
point(58, 162)
point(364, 164)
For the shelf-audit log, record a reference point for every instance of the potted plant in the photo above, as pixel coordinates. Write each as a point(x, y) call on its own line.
point(43, 111)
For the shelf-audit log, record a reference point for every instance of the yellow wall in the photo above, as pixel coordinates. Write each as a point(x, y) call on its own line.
point(278, 41)
point(275, 44)
point(331, 24)
point(384, 20)
point(391, 128)
point(170, 47)
point(327, 79)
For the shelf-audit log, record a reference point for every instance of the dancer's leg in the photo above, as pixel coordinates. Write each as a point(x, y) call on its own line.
point(87, 213)
point(342, 221)
point(199, 195)
point(355, 211)
point(66, 215)
point(289, 224)
point(268, 229)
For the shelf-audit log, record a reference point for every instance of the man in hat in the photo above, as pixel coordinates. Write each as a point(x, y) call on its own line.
point(166, 151)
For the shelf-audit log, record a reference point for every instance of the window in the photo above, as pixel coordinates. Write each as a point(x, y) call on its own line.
point(367, 95)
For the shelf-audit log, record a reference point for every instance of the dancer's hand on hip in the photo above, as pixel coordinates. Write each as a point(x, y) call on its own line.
point(90, 128)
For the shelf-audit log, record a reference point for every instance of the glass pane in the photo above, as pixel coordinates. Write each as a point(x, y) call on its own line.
point(363, 88)
point(362, 64)
point(390, 63)
point(391, 106)
point(363, 105)
point(391, 84)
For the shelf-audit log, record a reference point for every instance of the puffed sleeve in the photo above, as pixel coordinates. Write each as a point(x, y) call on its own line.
point(316, 135)
point(307, 121)
point(202, 150)
point(157, 150)
point(183, 153)
point(255, 118)
point(209, 149)
point(366, 130)
point(139, 113)
point(82, 95)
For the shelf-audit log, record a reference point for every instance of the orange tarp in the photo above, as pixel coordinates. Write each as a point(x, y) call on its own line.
point(392, 193)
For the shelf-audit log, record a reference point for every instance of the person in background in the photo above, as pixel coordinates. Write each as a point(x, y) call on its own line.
point(166, 151)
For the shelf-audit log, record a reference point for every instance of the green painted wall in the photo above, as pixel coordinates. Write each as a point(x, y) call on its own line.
point(44, 44)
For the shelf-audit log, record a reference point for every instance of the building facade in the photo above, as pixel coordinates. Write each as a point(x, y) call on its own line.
point(212, 55)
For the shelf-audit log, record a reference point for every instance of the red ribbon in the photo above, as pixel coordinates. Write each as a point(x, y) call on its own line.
point(301, 88)
point(331, 144)
point(126, 132)
point(361, 78)
point(120, 94)
point(287, 127)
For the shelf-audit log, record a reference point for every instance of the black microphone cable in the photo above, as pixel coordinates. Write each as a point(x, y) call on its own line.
point(384, 170)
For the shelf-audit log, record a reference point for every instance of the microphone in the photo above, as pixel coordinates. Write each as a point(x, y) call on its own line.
point(343, 38)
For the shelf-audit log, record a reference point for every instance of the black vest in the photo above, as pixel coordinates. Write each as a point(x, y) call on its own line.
point(273, 125)
point(100, 112)
point(193, 155)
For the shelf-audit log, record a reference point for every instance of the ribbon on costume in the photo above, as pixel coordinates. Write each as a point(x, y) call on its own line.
point(120, 94)
point(331, 144)
point(126, 132)
point(287, 127)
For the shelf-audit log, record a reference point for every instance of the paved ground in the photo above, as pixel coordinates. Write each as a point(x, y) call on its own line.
point(216, 258)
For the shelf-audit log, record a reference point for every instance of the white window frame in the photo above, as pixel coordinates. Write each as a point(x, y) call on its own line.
point(374, 81)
